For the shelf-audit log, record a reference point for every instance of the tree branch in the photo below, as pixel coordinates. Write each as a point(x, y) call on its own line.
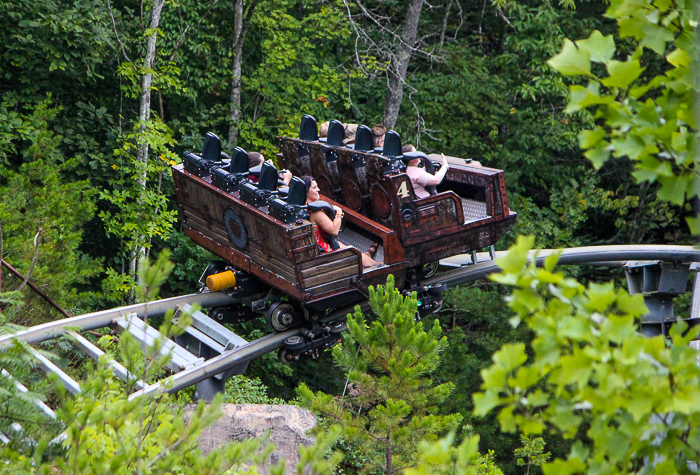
point(34, 260)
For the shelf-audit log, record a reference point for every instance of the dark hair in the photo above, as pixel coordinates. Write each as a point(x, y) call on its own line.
point(255, 159)
point(307, 181)
point(408, 148)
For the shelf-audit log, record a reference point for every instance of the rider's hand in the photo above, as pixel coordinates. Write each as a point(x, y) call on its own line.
point(444, 161)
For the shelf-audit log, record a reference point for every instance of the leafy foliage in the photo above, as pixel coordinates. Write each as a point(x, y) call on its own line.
point(649, 118)
point(593, 377)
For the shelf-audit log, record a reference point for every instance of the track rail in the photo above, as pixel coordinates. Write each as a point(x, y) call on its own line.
point(91, 321)
point(574, 256)
point(216, 365)
point(240, 355)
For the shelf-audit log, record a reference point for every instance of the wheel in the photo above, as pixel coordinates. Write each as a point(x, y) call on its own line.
point(280, 316)
point(437, 289)
point(338, 327)
point(286, 357)
point(217, 314)
point(430, 269)
point(294, 342)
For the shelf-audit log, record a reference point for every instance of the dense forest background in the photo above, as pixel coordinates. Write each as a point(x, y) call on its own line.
point(98, 99)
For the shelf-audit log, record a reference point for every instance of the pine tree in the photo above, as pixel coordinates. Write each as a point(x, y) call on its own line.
point(391, 401)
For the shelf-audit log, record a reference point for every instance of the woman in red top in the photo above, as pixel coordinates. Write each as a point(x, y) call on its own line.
point(325, 226)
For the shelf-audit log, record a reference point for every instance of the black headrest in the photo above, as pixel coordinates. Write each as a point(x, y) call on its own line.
point(268, 177)
point(363, 139)
point(297, 192)
point(239, 162)
point(392, 144)
point(308, 129)
point(336, 133)
point(408, 156)
point(211, 150)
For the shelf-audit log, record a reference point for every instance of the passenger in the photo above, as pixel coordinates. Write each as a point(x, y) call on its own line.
point(408, 148)
point(378, 132)
point(255, 160)
point(324, 226)
point(421, 178)
point(350, 132)
point(285, 176)
point(323, 130)
point(349, 135)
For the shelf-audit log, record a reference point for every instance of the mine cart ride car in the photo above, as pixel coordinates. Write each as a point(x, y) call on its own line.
point(270, 258)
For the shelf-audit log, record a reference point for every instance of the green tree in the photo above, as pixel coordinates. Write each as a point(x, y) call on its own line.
point(106, 431)
point(43, 210)
point(631, 402)
point(391, 401)
point(646, 115)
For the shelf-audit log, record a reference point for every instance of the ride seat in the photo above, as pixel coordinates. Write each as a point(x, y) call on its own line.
point(288, 211)
point(230, 178)
point(392, 151)
point(211, 157)
point(309, 129)
point(259, 195)
point(363, 139)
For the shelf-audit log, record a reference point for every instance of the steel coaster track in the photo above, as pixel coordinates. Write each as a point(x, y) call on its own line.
point(247, 352)
point(574, 256)
point(217, 364)
point(91, 321)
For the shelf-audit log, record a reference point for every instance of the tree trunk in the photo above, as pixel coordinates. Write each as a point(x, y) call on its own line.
point(398, 67)
point(239, 32)
point(389, 456)
point(145, 110)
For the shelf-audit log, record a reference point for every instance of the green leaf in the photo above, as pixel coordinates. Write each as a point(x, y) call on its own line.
point(655, 37)
point(622, 74)
point(631, 145)
point(510, 356)
point(673, 189)
point(678, 57)
point(588, 138)
point(571, 61)
point(694, 225)
point(599, 154)
point(485, 402)
point(516, 258)
point(600, 48)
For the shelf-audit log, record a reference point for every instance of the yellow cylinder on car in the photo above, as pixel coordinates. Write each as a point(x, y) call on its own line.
point(223, 280)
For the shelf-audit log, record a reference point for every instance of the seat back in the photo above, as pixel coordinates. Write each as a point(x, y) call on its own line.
point(363, 139)
point(268, 177)
point(392, 144)
point(239, 162)
point(297, 192)
point(336, 133)
point(308, 129)
point(211, 150)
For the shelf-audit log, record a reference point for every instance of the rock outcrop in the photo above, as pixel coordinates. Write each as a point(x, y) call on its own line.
point(287, 426)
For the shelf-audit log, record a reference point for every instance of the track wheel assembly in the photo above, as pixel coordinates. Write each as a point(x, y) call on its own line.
point(280, 316)
point(290, 352)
